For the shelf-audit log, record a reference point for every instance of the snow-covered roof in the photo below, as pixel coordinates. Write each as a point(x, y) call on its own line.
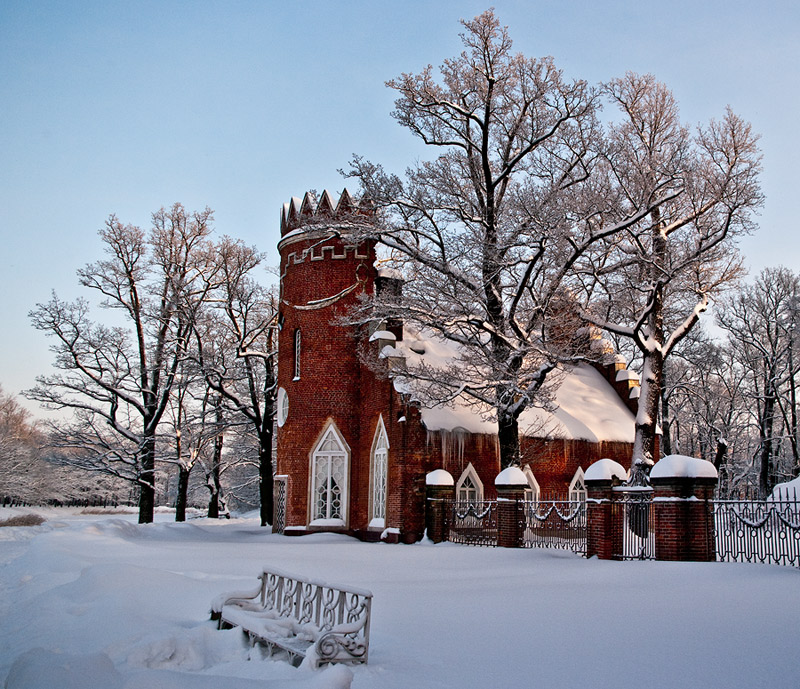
point(586, 406)
point(627, 374)
point(391, 273)
point(382, 335)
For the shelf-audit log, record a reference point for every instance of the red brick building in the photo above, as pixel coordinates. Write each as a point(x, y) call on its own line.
point(353, 448)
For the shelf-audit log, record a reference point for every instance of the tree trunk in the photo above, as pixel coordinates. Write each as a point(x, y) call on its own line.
point(508, 439)
point(646, 420)
point(765, 453)
point(644, 443)
point(213, 481)
point(183, 492)
point(666, 421)
point(147, 481)
point(266, 480)
point(793, 439)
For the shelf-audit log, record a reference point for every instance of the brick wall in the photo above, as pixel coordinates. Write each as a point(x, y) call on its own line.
point(336, 387)
point(315, 267)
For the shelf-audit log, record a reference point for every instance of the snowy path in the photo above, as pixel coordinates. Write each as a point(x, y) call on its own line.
point(130, 603)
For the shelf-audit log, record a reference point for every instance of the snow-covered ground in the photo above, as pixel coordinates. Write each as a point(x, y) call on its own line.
point(98, 601)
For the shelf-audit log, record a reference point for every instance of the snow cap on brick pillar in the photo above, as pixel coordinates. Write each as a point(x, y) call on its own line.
point(599, 478)
point(681, 466)
point(439, 478)
point(605, 470)
point(510, 484)
point(440, 492)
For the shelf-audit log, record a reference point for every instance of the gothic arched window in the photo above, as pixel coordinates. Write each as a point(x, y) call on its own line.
point(379, 470)
point(577, 487)
point(330, 462)
point(469, 488)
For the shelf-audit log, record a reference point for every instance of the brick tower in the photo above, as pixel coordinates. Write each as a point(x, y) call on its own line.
point(323, 272)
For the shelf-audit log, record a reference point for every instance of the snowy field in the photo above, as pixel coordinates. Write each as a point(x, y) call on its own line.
point(97, 601)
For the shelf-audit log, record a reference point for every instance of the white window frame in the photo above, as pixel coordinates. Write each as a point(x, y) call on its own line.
point(282, 404)
point(379, 475)
point(297, 343)
point(577, 487)
point(532, 492)
point(336, 460)
point(477, 485)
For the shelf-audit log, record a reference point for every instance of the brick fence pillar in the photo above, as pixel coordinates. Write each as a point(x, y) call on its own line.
point(603, 522)
point(598, 519)
point(683, 489)
point(511, 485)
point(440, 489)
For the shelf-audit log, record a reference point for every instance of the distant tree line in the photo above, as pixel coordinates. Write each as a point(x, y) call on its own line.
point(733, 398)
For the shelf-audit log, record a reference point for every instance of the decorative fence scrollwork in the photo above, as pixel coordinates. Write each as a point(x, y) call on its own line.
point(279, 503)
point(758, 531)
point(635, 510)
point(555, 524)
point(473, 523)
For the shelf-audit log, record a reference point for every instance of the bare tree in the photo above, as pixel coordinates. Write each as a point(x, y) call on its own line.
point(194, 429)
point(236, 345)
point(20, 445)
point(117, 381)
point(705, 408)
point(488, 233)
point(652, 282)
point(762, 321)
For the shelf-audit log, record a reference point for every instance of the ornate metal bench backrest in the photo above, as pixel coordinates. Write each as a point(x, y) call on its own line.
point(328, 608)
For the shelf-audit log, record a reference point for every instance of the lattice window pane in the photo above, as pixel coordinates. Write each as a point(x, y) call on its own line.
point(379, 470)
point(468, 492)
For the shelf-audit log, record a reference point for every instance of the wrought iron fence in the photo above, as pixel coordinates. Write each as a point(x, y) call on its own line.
point(758, 531)
point(635, 510)
point(555, 524)
point(473, 523)
point(279, 504)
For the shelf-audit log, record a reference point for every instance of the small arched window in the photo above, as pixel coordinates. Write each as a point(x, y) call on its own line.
point(533, 491)
point(469, 488)
point(380, 466)
point(297, 354)
point(577, 487)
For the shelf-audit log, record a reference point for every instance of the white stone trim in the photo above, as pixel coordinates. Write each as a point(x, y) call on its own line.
point(282, 407)
point(533, 491)
point(378, 475)
point(577, 487)
point(329, 473)
point(469, 474)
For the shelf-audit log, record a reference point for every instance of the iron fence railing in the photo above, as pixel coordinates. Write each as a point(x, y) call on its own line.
point(279, 503)
point(765, 531)
point(746, 530)
point(473, 523)
point(555, 524)
point(635, 510)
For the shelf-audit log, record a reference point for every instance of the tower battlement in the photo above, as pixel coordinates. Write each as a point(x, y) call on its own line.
point(310, 210)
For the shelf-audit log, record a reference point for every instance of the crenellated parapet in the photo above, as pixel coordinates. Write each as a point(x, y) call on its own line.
point(311, 211)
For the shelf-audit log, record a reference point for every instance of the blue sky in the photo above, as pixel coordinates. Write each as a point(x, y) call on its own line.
point(124, 107)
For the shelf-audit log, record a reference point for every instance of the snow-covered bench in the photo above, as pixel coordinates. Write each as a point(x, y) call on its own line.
point(306, 619)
